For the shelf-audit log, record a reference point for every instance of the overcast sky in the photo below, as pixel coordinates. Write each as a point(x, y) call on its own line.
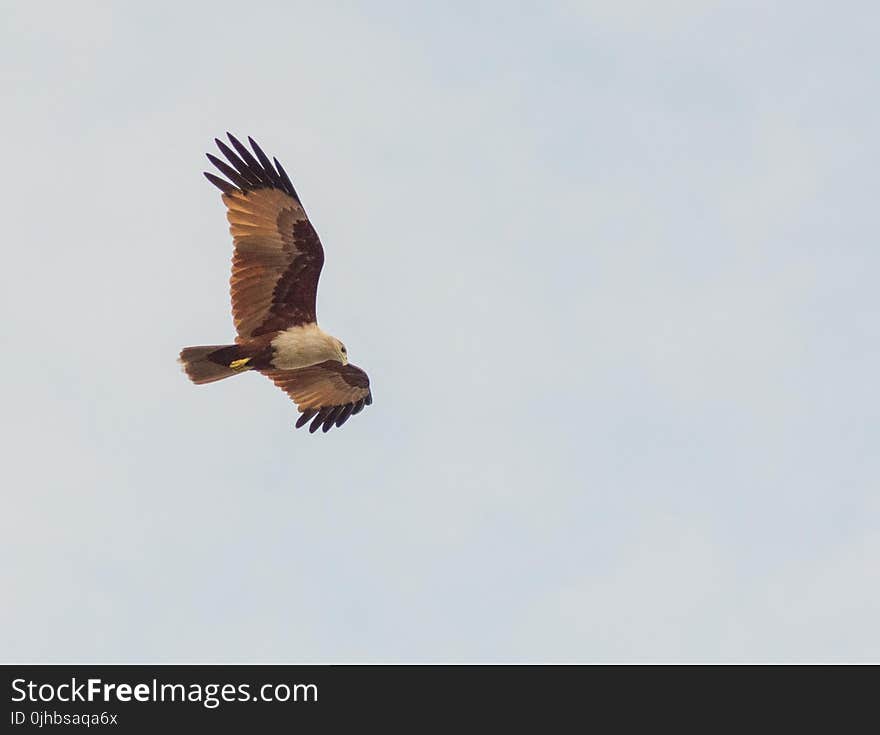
point(612, 268)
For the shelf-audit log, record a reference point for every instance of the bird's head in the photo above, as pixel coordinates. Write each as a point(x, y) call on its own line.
point(341, 352)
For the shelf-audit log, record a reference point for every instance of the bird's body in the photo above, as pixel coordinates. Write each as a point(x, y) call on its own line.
point(275, 269)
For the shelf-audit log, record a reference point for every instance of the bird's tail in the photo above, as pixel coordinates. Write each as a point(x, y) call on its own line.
point(208, 363)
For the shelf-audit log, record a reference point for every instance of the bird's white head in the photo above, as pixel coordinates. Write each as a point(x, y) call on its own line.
point(341, 352)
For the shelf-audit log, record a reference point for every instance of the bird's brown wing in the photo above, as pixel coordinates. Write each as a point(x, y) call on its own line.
point(278, 256)
point(327, 394)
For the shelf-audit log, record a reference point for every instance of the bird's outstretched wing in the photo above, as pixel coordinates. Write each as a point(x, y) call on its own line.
point(278, 256)
point(327, 394)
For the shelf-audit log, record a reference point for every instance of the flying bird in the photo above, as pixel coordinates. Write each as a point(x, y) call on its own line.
point(276, 264)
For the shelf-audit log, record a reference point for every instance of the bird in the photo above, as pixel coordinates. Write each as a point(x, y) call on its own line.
point(276, 263)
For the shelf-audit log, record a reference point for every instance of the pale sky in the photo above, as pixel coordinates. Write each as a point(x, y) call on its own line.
point(612, 268)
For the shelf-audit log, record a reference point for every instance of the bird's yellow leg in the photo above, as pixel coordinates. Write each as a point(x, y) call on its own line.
point(240, 364)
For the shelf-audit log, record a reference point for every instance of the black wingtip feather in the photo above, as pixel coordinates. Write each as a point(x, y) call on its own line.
point(288, 186)
point(267, 166)
point(238, 164)
point(249, 159)
point(229, 172)
point(221, 184)
point(345, 414)
point(306, 417)
point(331, 418)
point(319, 419)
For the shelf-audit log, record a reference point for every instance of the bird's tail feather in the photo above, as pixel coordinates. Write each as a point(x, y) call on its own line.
point(208, 363)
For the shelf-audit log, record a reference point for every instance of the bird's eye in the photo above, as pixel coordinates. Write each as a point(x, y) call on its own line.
point(342, 347)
